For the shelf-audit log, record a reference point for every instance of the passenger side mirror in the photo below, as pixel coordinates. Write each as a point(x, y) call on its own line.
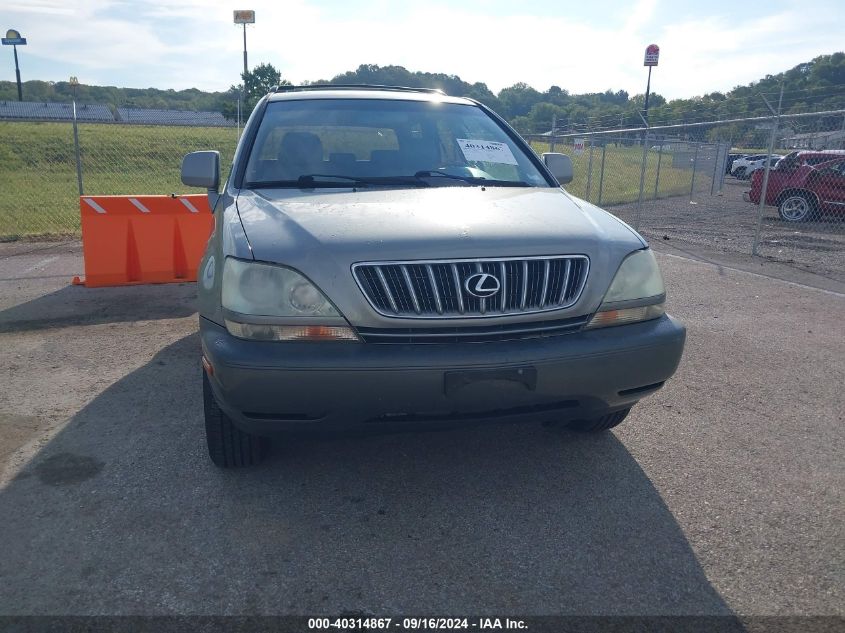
point(560, 165)
point(202, 169)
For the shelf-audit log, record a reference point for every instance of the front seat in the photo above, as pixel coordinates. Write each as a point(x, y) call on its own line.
point(300, 154)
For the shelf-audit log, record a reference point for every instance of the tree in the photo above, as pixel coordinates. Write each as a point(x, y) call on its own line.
point(262, 79)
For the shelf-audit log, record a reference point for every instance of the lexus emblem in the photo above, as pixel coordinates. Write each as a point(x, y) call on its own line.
point(482, 285)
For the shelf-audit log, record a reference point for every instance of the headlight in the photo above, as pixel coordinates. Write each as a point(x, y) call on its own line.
point(262, 290)
point(267, 290)
point(638, 280)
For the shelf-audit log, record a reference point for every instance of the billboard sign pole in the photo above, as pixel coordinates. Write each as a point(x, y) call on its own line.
point(652, 54)
point(244, 17)
point(13, 38)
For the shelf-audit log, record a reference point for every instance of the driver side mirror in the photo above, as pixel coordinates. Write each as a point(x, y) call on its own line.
point(201, 169)
point(560, 165)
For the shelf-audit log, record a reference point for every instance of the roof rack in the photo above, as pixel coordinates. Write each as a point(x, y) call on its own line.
point(357, 87)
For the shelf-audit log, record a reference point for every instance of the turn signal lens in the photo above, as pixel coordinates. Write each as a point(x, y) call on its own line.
point(265, 332)
point(624, 316)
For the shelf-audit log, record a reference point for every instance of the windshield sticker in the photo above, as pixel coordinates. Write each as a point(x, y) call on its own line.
point(486, 151)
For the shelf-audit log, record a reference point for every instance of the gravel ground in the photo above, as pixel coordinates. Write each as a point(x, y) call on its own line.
point(725, 222)
point(720, 494)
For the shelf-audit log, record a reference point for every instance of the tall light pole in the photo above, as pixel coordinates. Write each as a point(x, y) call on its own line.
point(652, 54)
point(13, 38)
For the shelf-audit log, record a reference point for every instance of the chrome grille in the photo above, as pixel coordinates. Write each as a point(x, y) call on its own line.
point(437, 288)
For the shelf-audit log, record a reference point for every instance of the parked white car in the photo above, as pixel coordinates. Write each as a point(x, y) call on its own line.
point(757, 165)
point(742, 167)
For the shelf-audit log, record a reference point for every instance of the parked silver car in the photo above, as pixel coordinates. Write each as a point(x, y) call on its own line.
point(398, 257)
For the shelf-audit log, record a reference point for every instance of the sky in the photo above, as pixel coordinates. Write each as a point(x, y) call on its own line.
point(581, 46)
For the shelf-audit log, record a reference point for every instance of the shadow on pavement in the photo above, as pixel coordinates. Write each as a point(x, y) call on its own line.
point(77, 305)
point(122, 512)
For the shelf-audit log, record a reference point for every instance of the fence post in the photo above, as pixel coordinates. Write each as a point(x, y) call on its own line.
point(642, 181)
point(601, 172)
point(716, 152)
point(764, 189)
point(657, 175)
point(552, 135)
point(76, 151)
point(590, 170)
point(694, 165)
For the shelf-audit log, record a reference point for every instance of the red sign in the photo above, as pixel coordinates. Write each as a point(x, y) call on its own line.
point(652, 53)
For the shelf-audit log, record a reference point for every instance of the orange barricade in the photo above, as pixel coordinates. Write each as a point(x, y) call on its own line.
point(143, 239)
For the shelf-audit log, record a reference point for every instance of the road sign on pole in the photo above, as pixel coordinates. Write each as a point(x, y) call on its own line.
point(13, 38)
point(652, 54)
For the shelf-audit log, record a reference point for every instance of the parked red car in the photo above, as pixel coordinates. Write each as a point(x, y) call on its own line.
point(803, 185)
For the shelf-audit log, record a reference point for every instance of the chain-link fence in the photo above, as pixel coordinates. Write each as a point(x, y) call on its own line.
point(699, 185)
point(691, 185)
point(40, 178)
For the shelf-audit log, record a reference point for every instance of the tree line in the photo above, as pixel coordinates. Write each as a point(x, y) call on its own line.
point(815, 85)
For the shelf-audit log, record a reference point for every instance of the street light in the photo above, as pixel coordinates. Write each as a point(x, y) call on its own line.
point(13, 38)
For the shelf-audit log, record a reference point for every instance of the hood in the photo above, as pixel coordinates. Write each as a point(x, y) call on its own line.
point(323, 232)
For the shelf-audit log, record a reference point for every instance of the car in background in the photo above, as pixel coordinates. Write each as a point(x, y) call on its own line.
point(740, 165)
point(760, 165)
point(803, 191)
point(730, 161)
point(794, 160)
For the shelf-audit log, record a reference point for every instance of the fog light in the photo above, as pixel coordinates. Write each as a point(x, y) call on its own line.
point(608, 318)
point(268, 332)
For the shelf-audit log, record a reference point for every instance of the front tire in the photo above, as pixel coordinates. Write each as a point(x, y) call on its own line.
point(797, 207)
point(740, 173)
point(228, 446)
point(597, 425)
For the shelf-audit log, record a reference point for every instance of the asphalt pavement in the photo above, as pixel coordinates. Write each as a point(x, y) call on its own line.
point(721, 494)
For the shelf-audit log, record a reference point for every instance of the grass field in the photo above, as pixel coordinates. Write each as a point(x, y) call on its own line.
point(38, 187)
point(622, 168)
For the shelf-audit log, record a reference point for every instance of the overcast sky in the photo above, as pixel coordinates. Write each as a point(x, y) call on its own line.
point(582, 46)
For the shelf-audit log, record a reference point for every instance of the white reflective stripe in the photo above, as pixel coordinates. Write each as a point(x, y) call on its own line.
point(188, 204)
point(139, 206)
point(94, 205)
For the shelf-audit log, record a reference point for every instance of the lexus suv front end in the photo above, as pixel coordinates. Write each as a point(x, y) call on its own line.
point(398, 257)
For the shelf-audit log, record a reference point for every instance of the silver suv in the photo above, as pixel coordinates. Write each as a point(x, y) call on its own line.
point(388, 256)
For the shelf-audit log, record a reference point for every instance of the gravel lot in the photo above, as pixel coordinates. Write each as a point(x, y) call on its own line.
point(721, 494)
point(726, 223)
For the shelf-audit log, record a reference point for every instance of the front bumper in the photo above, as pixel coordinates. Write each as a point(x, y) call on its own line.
point(282, 387)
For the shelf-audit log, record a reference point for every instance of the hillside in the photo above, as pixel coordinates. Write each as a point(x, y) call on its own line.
point(815, 85)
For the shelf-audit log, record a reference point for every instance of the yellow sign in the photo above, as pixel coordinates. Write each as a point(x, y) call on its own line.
point(244, 17)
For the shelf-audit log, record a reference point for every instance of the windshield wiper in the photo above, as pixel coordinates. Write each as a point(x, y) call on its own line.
point(472, 180)
point(309, 180)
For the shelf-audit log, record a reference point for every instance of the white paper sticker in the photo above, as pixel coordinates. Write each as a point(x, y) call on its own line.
point(487, 151)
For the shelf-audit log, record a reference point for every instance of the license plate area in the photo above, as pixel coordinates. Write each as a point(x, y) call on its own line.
point(454, 381)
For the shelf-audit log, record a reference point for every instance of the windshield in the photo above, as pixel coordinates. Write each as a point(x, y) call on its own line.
point(380, 142)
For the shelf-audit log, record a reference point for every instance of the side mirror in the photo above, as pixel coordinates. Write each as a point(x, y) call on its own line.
point(560, 165)
point(201, 169)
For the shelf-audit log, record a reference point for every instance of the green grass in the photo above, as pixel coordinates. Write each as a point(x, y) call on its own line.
point(622, 168)
point(38, 187)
